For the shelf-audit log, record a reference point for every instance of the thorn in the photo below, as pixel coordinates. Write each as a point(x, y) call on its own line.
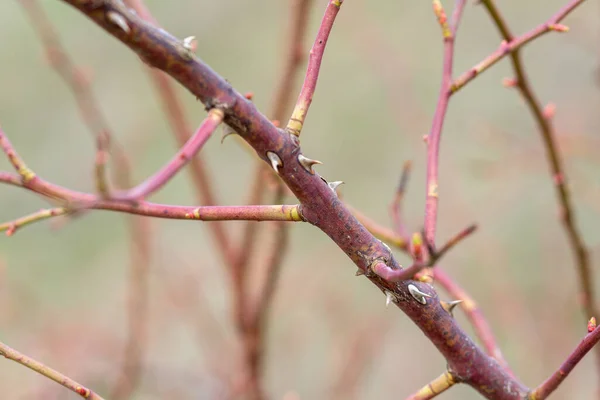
point(190, 43)
point(359, 272)
point(275, 161)
point(591, 325)
point(307, 163)
point(389, 297)
point(449, 306)
point(417, 294)
point(227, 130)
point(118, 20)
point(333, 185)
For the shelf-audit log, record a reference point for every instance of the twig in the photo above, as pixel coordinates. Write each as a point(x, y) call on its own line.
point(437, 386)
point(30, 181)
point(399, 275)
point(11, 227)
point(552, 383)
point(296, 121)
point(187, 152)
point(548, 134)
point(380, 232)
point(433, 139)
point(40, 368)
point(511, 46)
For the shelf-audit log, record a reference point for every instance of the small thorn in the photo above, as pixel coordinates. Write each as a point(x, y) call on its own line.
point(275, 161)
point(227, 130)
point(190, 43)
point(389, 297)
point(417, 294)
point(249, 95)
point(591, 326)
point(118, 20)
point(359, 272)
point(449, 306)
point(333, 185)
point(307, 163)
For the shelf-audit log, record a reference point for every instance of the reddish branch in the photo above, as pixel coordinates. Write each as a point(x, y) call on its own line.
point(433, 139)
point(296, 121)
point(548, 133)
point(550, 384)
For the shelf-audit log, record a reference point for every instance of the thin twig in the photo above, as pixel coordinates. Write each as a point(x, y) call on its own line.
point(296, 121)
point(511, 45)
point(433, 139)
point(12, 226)
point(50, 373)
point(437, 386)
point(399, 275)
point(552, 383)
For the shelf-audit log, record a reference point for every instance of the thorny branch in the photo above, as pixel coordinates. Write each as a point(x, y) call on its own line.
point(319, 203)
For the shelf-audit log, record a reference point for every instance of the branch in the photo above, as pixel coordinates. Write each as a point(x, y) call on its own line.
point(11, 227)
point(437, 386)
point(433, 139)
point(511, 45)
point(395, 206)
point(296, 121)
point(40, 368)
point(552, 383)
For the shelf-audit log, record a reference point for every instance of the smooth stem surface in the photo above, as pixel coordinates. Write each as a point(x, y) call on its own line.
point(48, 372)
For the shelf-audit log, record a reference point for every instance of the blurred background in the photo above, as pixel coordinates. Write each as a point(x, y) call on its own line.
point(64, 282)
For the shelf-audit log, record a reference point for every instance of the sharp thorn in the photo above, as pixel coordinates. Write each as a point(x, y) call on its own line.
point(389, 297)
point(417, 294)
point(118, 20)
point(227, 130)
point(359, 272)
point(275, 161)
point(333, 185)
point(449, 306)
point(307, 163)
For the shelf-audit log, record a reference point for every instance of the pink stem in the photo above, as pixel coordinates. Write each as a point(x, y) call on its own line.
point(296, 121)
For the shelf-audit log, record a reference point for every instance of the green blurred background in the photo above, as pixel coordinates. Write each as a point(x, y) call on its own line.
point(63, 284)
